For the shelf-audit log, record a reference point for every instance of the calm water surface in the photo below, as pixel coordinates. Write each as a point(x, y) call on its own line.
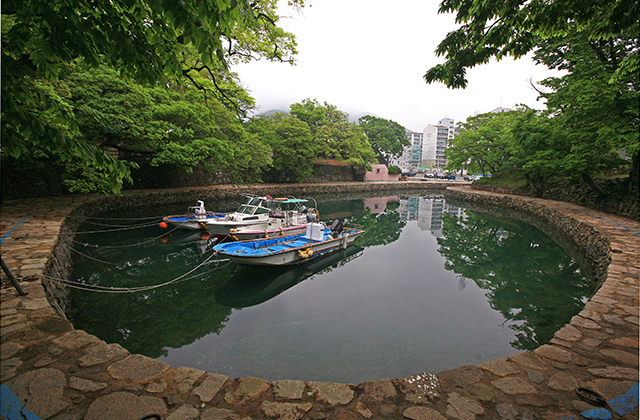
point(429, 287)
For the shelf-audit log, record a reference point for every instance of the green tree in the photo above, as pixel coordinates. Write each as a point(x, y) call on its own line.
point(483, 145)
point(340, 139)
point(595, 107)
point(293, 148)
point(385, 136)
point(164, 126)
point(598, 118)
point(537, 147)
point(499, 29)
point(150, 41)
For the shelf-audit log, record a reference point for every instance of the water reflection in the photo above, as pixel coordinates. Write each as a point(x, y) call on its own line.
point(247, 288)
point(536, 290)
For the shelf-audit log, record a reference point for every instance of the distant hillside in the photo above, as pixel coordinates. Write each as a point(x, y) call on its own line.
point(355, 116)
point(273, 111)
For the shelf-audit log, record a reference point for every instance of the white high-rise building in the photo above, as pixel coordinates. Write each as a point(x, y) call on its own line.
point(436, 140)
point(427, 148)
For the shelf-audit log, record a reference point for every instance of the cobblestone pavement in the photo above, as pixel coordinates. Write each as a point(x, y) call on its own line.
point(53, 371)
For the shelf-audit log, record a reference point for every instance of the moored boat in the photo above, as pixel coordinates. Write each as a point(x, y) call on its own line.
point(256, 217)
point(292, 249)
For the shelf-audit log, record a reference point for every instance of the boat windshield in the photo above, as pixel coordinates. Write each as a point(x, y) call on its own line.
point(254, 201)
point(253, 206)
point(260, 205)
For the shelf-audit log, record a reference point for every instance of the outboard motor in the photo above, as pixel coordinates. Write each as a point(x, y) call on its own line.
point(311, 217)
point(201, 213)
point(336, 228)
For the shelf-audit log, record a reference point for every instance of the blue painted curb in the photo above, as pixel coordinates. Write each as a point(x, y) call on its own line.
point(622, 405)
point(4, 238)
point(11, 408)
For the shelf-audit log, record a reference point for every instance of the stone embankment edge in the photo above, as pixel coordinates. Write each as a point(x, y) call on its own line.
point(64, 373)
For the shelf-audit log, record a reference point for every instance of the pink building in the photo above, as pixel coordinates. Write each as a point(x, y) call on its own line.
point(379, 204)
point(379, 173)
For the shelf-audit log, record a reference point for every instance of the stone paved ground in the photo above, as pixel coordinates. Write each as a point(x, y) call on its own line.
point(65, 374)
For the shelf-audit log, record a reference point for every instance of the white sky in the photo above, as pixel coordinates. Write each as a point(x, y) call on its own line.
point(370, 56)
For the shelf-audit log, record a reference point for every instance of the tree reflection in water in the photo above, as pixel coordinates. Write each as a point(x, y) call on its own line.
point(537, 294)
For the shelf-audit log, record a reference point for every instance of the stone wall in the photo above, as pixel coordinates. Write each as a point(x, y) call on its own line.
point(618, 201)
point(47, 181)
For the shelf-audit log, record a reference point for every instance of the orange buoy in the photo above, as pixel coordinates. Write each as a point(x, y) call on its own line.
point(205, 235)
point(164, 239)
point(164, 225)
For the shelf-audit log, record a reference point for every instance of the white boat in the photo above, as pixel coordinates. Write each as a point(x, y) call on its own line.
point(256, 217)
point(293, 249)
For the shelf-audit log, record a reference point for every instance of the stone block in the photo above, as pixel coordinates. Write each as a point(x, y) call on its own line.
point(137, 368)
point(124, 406)
point(499, 367)
point(332, 393)
point(210, 386)
point(248, 389)
point(288, 389)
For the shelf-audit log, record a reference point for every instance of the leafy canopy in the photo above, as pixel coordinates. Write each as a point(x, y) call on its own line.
point(385, 136)
point(154, 42)
point(293, 148)
point(338, 138)
point(493, 29)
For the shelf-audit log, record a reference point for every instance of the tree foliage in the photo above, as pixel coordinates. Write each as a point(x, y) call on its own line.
point(339, 138)
point(154, 42)
point(483, 144)
point(592, 112)
point(500, 29)
point(385, 136)
point(293, 148)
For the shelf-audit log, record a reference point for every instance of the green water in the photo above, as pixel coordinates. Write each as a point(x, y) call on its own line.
point(429, 287)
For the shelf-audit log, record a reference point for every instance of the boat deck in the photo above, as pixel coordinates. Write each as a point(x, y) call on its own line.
point(260, 247)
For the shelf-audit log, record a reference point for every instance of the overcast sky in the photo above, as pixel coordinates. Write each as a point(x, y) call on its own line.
point(370, 56)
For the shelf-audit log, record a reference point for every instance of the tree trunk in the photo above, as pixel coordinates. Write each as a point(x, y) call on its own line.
point(586, 177)
point(634, 176)
point(535, 183)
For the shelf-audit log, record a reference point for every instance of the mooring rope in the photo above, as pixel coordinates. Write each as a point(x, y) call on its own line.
point(86, 244)
point(115, 290)
point(116, 218)
point(152, 223)
point(118, 229)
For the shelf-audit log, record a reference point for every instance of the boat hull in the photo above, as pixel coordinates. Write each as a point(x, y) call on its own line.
point(257, 217)
point(290, 250)
point(191, 222)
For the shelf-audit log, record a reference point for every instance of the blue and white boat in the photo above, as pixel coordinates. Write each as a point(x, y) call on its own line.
point(292, 249)
point(256, 217)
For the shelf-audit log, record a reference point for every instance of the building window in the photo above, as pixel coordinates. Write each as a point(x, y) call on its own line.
point(378, 170)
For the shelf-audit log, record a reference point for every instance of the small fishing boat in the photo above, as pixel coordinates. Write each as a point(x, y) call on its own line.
point(292, 249)
point(257, 217)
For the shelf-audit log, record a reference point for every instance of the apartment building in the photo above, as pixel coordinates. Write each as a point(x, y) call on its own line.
point(427, 148)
